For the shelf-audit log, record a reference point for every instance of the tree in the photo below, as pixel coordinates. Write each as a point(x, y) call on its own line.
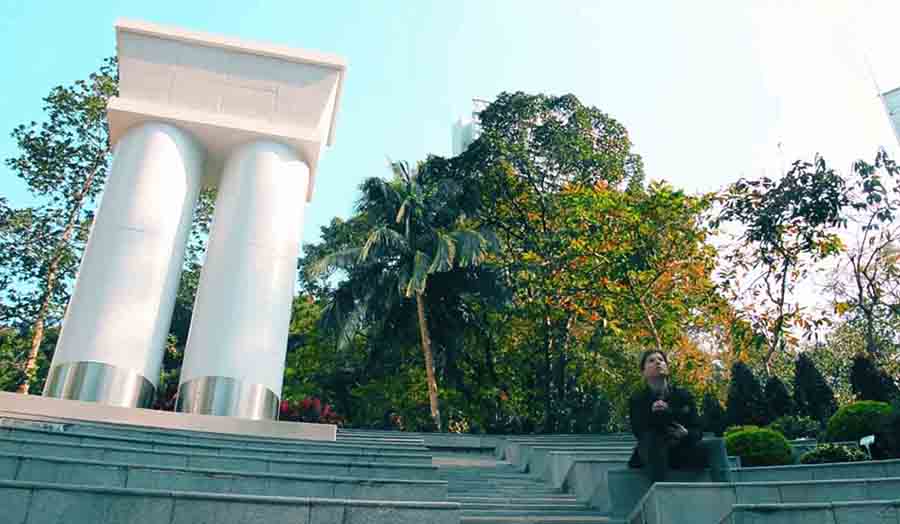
point(812, 395)
point(787, 225)
point(745, 403)
point(63, 161)
point(713, 416)
point(869, 382)
point(415, 233)
point(532, 149)
point(778, 399)
point(866, 282)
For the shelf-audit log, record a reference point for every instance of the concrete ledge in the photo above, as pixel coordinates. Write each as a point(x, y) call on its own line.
point(509, 448)
point(874, 512)
point(122, 475)
point(677, 503)
point(560, 463)
point(589, 480)
point(840, 470)
point(42, 503)
point(16, 404)
point(282, 451)
point(150, 457)
point(552, 465)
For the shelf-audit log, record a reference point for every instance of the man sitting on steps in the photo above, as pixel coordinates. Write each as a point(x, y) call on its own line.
point(664, 419)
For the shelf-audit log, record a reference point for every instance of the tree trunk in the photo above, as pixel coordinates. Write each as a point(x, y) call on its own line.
point(549, 418)
point(37, 336)
point(429, 361)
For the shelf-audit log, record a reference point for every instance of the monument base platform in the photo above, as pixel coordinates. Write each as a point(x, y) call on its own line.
point(34, 407)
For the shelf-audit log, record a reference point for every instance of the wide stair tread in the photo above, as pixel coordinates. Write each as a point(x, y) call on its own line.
point(494, 492)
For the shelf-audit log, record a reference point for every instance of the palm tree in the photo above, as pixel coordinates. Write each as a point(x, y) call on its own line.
point(417, 228)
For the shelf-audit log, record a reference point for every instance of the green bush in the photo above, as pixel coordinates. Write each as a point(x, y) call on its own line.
point(855, 421)
point(828, 453)
point(734, 429)
point(887, 438)
point(759, 447)
point(794, 427)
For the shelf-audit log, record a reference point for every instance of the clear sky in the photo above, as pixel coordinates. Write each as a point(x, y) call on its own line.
point(707, 89)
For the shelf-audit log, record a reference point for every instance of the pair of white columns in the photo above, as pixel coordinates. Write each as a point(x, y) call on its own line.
point(111, 346)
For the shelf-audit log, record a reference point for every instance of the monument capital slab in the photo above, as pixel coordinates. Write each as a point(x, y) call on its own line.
point(225, 91)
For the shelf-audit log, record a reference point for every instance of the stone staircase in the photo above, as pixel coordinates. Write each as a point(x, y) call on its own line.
point(490, 491)
point(55, 470)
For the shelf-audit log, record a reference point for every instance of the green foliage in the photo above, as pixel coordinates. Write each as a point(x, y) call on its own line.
point(416, 230)
point(63, 161)
point(794, 427)
point(759, 447)
point(745, 403)
point(778, 400)
point(831, 453)
point(869, 382)
point(887, 437)
point(736, 429)
point(856, 420)
point(787, 225)
point(812, 395)
point(712, 415)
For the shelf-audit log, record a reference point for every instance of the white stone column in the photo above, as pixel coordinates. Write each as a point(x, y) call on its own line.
point(114, 332)
point(234, 358)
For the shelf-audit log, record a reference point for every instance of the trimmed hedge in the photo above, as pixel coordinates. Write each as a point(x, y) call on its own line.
point(759, 447)
point(830, 453)
point(794, 427)
point(854, 421)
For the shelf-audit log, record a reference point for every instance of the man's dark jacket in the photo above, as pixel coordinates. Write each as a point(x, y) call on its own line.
point(682, 410)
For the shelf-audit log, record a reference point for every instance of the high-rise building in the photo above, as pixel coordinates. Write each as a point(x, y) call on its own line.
point(891, 101)
point(467, 130)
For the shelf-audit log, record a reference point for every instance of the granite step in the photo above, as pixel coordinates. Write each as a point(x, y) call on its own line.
point(63, 432)
point(491, 492)
point(43, 503)
point(355, 467)
point(867, 512)
point(61, 470)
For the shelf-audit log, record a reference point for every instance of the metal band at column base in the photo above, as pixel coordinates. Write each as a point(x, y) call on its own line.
point(227, 397)
point(99, 382)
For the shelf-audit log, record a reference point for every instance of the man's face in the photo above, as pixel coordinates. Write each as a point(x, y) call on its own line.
point(655, 366)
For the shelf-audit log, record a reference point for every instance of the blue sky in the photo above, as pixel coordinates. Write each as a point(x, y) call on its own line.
point(707, 89)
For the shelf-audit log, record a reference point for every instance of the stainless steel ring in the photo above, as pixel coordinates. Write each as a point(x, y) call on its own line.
point(226, 396)
point(99, 382)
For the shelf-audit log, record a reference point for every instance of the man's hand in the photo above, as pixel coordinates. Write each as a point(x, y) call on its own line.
point(678, 431)
point(660, 405)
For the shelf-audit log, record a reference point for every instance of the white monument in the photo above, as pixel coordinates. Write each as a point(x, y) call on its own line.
point(194, 110)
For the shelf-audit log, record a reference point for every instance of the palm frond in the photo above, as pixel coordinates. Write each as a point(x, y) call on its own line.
point(404, 209)
point(445, 254)
point(341, 259)
point(401, 170)
point(380, 241)
point(471, 247)
point(419, 277)
point(378, 197)
point(403, 277)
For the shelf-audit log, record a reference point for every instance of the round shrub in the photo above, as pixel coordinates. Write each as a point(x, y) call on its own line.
point(759, 447)
point(854, 421)
point(828, 453)
point(794, 427)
